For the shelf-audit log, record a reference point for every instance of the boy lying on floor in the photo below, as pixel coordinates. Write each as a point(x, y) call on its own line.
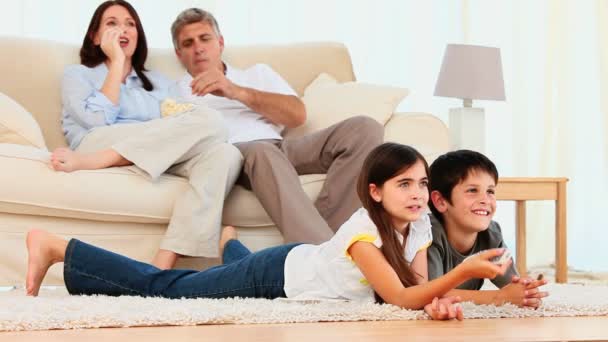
point(462, 185)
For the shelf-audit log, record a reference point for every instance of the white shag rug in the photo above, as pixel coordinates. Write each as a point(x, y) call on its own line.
point(55, 309)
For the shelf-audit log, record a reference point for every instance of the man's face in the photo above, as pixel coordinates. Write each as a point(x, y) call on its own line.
point(199, 48)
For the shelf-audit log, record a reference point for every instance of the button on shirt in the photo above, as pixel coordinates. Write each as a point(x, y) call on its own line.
point(243, 123)
point(85, 107)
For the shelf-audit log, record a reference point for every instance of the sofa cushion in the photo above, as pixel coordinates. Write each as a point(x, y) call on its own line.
point(17, 126)
point(29, 186)
point(329, 102)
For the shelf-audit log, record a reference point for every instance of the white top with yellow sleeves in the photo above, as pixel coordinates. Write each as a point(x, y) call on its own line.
point(327, 271)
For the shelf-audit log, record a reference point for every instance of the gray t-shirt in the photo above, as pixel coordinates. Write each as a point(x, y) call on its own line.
point(442, 257)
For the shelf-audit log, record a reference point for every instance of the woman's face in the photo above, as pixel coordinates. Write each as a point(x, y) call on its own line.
point(118, 18)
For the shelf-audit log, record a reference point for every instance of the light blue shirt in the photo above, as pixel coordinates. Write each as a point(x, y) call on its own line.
point(85, 107)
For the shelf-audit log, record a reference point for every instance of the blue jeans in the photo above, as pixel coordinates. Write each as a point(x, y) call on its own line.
point(91, 270)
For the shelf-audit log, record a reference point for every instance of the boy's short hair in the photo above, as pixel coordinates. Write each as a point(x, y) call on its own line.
point(451, 168)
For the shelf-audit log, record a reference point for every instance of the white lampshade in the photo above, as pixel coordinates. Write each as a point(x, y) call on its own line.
point(471, 72)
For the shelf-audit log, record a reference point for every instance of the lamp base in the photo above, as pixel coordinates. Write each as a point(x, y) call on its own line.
point(468, 129)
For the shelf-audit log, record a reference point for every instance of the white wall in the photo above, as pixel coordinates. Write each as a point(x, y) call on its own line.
point(551, 63)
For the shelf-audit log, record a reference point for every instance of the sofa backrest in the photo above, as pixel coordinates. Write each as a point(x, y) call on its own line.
point(31, 71)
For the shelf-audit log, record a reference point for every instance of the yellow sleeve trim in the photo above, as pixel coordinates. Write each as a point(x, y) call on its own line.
point(427, 245)
point(359, 237)
point(364, 282)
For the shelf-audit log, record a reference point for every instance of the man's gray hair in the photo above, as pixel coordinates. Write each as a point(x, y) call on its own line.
point(191, 16)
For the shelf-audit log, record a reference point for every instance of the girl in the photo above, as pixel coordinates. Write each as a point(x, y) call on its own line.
point(379, 252)
point(111, 117)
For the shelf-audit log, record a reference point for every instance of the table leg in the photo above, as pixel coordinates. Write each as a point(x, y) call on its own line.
point(520, 237)
point(561, 264)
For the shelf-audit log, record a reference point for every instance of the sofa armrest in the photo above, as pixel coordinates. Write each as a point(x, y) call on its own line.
point(423, 131)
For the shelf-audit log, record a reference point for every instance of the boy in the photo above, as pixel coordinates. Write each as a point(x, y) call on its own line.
point(463, 202)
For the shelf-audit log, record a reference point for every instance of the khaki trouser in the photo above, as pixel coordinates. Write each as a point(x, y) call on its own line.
point(191, 145)
point(271, 170)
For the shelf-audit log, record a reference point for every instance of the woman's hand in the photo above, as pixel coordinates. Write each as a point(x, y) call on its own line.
point(444, 308)
point(110, 45)
point(480, 266)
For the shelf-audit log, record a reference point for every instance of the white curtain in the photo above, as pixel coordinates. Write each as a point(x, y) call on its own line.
point(555, 60)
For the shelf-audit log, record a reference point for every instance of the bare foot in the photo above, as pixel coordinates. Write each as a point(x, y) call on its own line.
point(228, 233)
point(44, 249)
point(66, 160)
point(165, 259)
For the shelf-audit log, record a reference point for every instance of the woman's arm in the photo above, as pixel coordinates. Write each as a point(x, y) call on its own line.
point(386, 283)
point(83, 103)
point(88, 106)
point(116, 65)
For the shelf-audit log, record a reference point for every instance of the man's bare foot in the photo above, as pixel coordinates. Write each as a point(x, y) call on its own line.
point(165, 259)
point(44, 249)
point(66, 160)
point(228, 233)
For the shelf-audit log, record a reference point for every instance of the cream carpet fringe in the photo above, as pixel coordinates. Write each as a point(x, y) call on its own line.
point(55, 309)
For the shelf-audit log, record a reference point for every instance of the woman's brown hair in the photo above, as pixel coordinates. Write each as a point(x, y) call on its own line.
point(91, 55)
point(383, 163)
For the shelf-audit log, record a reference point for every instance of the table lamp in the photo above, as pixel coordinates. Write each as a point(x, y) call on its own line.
point(470, 72)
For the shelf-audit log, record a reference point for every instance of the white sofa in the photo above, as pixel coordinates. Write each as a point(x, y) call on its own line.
point(116, 209)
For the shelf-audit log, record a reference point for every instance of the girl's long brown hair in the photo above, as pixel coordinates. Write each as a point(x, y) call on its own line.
point(91, 55)
point(383, 163)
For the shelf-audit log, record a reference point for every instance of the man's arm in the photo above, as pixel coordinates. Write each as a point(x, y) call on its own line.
point(286, 110)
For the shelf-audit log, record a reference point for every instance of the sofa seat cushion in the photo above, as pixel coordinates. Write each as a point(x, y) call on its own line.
point(29, 186)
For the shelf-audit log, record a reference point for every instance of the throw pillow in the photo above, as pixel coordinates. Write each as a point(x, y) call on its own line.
point(17, 126)
point(329, 102)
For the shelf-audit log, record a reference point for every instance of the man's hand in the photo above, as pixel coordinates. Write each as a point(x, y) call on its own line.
point(214, 82)
point(444, 308)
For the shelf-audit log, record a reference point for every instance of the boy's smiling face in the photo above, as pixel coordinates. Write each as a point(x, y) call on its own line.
point(473, 203)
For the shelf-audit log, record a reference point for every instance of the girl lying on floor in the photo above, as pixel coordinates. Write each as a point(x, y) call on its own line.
point(379, 253)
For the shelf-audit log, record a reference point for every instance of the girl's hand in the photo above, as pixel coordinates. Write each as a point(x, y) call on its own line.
point(444, 308)
point(110, 45)
point(480, 266)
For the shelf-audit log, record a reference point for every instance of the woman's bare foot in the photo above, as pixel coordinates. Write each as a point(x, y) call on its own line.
point(165, 259)
point(66, 160)
point(228, 233)
point(44, 249)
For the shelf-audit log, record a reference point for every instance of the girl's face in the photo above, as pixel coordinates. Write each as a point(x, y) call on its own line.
point(405, 196)
point(118, 18)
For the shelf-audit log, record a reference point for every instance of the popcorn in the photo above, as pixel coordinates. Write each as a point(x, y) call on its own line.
point(170, 107)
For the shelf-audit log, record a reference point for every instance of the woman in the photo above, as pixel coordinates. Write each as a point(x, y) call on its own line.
point(111, 117)
point(380, 252)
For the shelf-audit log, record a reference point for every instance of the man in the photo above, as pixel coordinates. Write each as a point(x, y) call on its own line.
point(257, 104)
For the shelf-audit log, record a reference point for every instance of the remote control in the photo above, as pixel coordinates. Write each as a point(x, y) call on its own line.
point(502, 259)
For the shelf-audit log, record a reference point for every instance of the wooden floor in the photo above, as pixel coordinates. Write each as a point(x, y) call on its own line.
point(529, 329)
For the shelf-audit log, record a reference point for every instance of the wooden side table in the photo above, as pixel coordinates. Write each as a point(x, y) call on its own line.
point(521, 190)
